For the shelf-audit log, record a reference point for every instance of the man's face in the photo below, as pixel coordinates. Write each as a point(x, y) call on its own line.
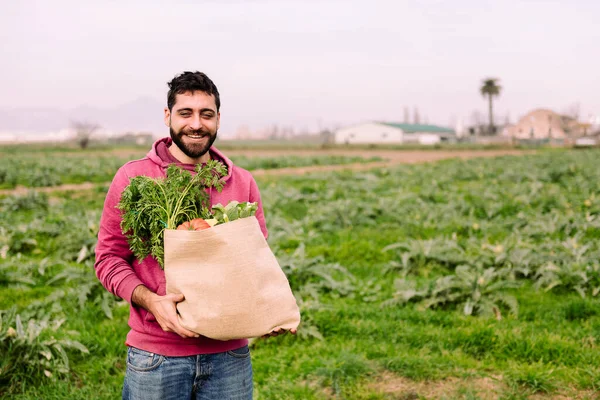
point(193, 122)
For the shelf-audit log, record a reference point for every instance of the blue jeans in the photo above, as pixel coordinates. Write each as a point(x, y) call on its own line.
point(222, 376)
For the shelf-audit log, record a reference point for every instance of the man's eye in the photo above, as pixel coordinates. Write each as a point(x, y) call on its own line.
point(207, 115)
point(185, 114)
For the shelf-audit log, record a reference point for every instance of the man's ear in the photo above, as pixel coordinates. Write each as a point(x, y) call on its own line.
point(167, 117)
point(218, 119)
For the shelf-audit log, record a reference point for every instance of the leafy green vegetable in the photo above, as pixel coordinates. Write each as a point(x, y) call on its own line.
point(233, 210)
point(151, 205)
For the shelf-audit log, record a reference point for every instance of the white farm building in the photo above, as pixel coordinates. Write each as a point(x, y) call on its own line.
point(393, 133)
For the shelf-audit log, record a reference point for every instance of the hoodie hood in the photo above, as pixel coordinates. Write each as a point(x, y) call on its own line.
point(160, 155)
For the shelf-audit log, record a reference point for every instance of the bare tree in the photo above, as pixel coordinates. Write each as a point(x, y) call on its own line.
point(274, 132)
point(84, 131)
point(416, 118)
point(327, 138)
point(573, 111)
point(477, 123)
point(570, 119)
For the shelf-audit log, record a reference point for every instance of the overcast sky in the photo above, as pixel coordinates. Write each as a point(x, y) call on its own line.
point(306, 63)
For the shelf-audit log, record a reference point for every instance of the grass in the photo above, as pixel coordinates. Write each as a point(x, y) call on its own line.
point(363, 341)
point(369, 351)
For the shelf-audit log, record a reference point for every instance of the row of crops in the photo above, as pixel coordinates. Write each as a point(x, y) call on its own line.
point(52, 169)
point(534, 219)
point(429, 271)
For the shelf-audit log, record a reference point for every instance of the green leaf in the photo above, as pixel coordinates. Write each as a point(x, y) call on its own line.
point(19, 325)
point(106, 305)
point(74, 344)
point(62, 353)
point(468, 308)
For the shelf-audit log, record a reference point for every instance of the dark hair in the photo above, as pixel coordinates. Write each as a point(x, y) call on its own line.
point(189, 82)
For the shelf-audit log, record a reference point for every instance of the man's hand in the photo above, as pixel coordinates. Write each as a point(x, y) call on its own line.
point(278, 332)
point(163, 308)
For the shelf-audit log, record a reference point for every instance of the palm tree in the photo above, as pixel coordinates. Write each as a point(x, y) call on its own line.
point(490, 89)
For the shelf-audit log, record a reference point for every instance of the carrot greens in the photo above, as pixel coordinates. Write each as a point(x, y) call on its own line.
point(151, 205)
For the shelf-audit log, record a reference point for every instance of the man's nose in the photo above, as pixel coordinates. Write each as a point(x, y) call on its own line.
point(196, 122)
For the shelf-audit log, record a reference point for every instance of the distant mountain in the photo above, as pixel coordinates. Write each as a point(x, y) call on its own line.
point(142, 114)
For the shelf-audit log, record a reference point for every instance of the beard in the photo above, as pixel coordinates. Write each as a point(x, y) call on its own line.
point(191, 149)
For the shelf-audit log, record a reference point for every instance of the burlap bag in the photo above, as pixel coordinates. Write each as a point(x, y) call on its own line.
point(233, 285)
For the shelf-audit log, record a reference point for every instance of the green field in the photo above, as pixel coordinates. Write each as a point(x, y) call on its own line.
point(451, 280)
point(54, 167)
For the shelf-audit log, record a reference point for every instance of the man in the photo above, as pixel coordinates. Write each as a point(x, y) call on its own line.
point(165, 360)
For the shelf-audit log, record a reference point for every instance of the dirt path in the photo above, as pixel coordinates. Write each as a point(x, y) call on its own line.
point(485, 388)
point(392, 158)
point(20, 190)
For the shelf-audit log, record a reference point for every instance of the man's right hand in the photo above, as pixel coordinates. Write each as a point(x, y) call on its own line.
point(164, 309)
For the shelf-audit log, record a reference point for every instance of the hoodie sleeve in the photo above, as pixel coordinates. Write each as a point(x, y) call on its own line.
point(113, 256)
point(260, 215)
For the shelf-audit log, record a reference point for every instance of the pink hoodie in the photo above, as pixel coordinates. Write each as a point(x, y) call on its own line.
point(121, 273)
